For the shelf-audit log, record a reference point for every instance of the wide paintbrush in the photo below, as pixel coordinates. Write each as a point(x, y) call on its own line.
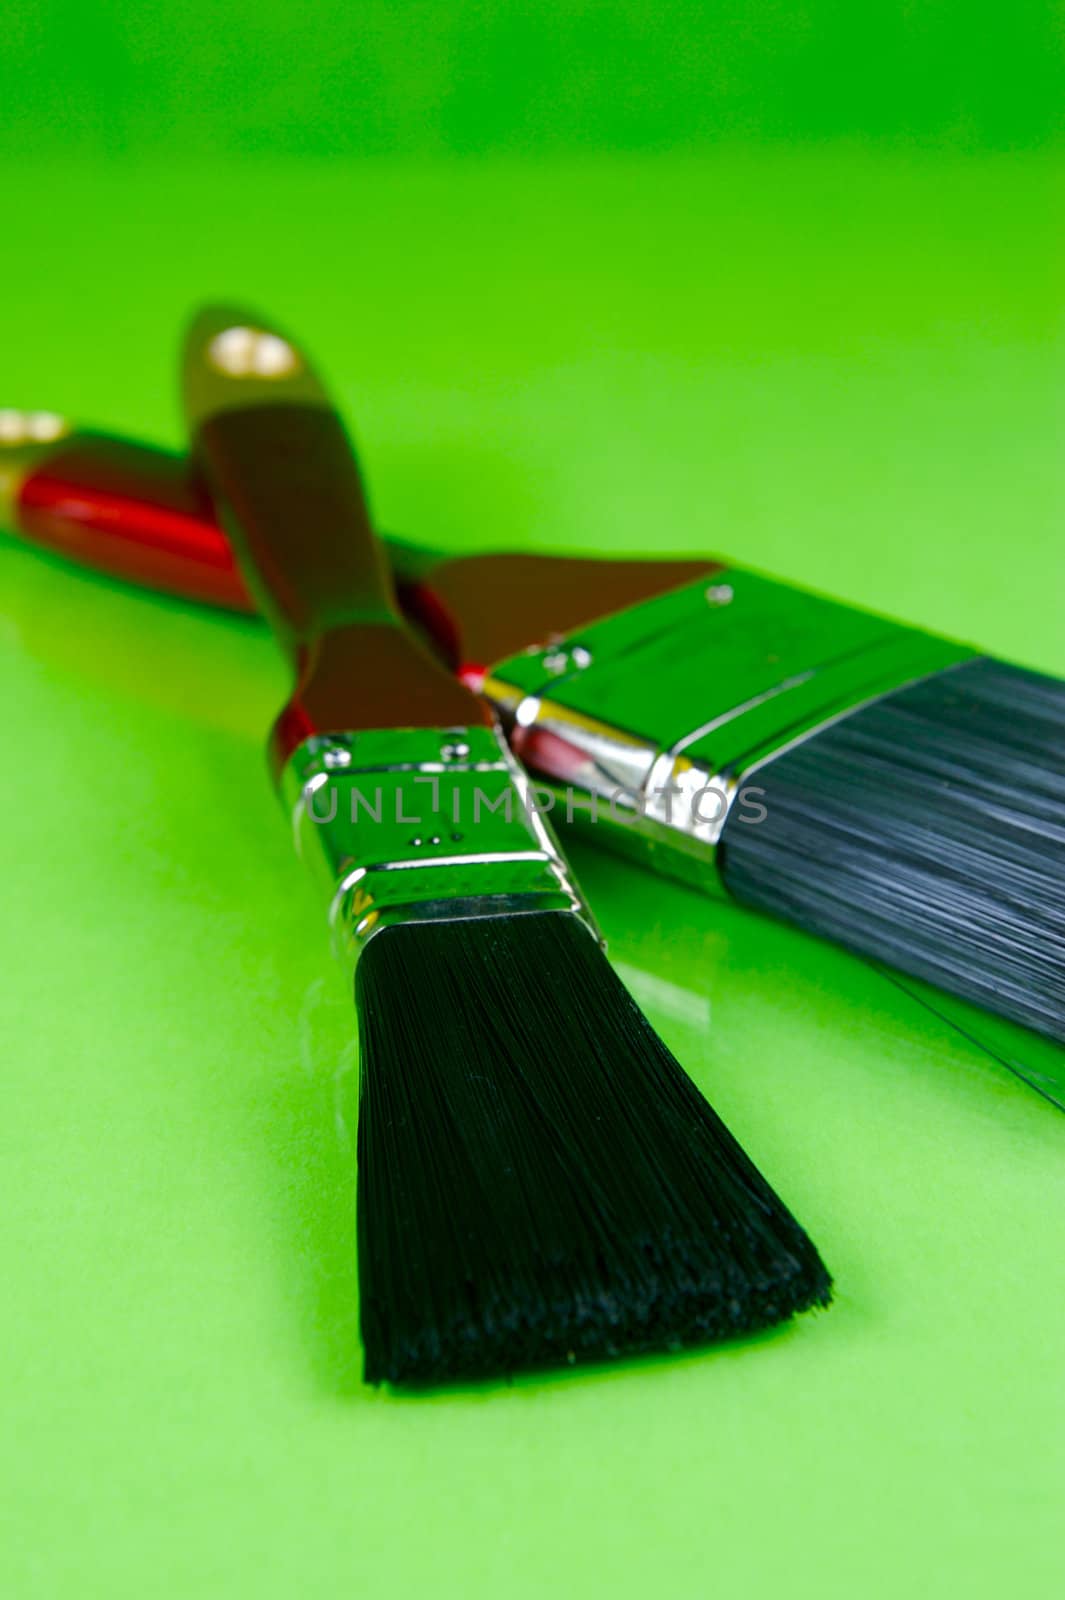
point(898, 793)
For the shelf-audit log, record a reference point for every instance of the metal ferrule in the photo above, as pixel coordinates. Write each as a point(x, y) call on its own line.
point(652, 725)
point(419, 825)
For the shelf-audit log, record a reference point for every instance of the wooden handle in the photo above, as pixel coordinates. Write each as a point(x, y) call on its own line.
point(140, 513)
point(284, 480)
point(130, 510)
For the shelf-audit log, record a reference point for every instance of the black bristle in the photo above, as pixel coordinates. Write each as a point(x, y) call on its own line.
point(928, 830)
point(539, 1181)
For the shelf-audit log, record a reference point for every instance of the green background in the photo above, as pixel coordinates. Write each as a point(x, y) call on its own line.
point(783, 283)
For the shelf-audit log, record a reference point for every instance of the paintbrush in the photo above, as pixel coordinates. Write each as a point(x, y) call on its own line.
point(897, 793)
point(539, 1182)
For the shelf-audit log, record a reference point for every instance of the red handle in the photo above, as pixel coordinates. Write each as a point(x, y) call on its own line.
point(137, 512)
point(132, 511)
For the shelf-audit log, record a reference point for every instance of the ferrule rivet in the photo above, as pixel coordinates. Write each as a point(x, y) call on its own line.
point(336, 756)
point(454, 750)
point(719, 594)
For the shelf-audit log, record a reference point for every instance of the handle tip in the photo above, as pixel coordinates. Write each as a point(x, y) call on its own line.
point(235, 358)
point(27, 439)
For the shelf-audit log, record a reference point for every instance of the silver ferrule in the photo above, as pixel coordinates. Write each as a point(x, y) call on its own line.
point(653, 724)
point(418, 825)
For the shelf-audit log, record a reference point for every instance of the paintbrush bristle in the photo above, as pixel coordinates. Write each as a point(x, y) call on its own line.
point(539, 1180)
point(927, 829)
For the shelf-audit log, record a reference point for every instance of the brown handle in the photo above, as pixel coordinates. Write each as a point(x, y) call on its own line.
point(285, 480)
point(283, 477)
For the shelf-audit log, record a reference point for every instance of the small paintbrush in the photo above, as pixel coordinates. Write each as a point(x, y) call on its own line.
point(898, 794)
point(539, 1182)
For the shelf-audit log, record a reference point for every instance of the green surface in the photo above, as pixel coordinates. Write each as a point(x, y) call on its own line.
point(838, 363)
